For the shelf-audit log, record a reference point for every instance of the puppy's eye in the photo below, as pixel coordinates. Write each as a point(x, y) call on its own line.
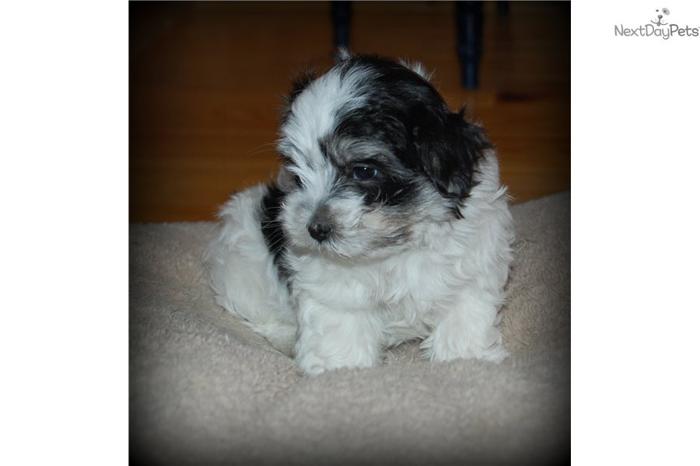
point(364, 172)
point(297, 181)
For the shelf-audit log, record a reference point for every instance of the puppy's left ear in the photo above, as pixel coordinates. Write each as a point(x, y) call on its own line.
point(449, 152)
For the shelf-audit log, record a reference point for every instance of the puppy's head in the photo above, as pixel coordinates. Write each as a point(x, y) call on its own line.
point(371, 152)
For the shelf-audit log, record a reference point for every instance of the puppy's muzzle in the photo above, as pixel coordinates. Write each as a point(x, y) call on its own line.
point(321, 227)
point(320, 231)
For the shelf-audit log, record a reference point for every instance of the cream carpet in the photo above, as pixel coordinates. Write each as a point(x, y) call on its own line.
point(205, 390)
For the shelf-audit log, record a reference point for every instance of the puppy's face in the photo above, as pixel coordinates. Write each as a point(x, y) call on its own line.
point(371, 152)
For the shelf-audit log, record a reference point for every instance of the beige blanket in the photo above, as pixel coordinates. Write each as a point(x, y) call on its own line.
point(205, 390)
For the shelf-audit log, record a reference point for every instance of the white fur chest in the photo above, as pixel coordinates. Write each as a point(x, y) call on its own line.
point(407, 291)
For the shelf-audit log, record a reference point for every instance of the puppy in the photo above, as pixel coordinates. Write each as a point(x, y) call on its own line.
point(386, 223)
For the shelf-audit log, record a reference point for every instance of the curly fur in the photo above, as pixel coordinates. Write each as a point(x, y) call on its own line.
point(387, 222)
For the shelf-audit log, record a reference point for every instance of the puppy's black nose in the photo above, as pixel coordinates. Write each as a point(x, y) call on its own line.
point(320, 231)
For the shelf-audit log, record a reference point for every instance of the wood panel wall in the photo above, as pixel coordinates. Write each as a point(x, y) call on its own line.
point(206, 82)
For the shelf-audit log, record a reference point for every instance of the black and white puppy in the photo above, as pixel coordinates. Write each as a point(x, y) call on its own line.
point(387, 222)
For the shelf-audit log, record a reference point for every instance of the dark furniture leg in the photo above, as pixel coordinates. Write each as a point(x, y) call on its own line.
point(470, 27)
point(340, 14)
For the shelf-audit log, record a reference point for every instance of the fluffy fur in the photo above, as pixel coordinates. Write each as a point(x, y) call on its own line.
point(387, 222)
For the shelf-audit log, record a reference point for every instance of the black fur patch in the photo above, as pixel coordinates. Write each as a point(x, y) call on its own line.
point(387, 188)
point(406, 114)
point(271, 227)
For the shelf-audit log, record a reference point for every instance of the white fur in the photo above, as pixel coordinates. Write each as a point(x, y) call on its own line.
point(417, 68)
point(447, 291)
point(349, 301)
point(243, 274)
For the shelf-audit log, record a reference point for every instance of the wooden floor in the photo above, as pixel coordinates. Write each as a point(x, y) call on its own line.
point(206, 81)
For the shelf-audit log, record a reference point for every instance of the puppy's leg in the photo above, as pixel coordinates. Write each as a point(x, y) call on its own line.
point(469, 330)
point(331, 339)
point(243, 274)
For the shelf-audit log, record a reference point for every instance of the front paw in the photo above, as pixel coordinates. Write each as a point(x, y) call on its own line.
point(314, 362)
point(448, 343)
point(311, 364)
